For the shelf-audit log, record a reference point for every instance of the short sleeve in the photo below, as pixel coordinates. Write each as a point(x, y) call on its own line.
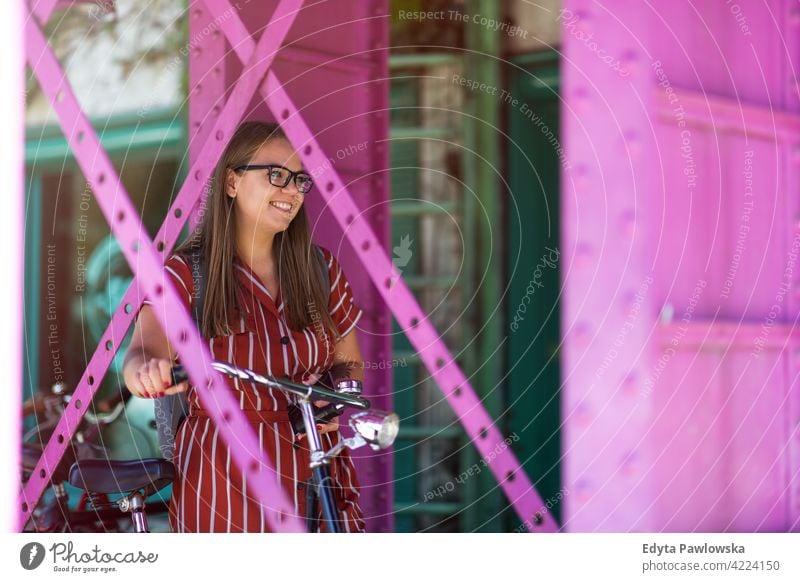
point(342, 306)
point(180, 275)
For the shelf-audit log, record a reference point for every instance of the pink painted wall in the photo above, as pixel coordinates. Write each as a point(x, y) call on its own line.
point(680, 234)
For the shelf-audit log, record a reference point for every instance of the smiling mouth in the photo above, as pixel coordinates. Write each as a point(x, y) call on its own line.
point(283, 207)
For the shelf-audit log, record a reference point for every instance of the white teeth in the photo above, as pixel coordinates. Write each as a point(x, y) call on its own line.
point(282, 205)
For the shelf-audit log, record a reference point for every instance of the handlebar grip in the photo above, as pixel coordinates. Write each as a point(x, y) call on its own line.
point(328, 412)
point(321, 415)
point(179, 375)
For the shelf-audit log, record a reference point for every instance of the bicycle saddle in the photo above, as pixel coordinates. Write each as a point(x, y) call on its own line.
point(104, 476)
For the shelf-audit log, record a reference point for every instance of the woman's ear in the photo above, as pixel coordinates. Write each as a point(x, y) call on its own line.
point(230, 183)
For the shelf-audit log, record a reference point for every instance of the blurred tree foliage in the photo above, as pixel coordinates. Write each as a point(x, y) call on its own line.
point(142, 34)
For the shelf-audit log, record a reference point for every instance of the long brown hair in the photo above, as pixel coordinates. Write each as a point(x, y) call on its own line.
point(305, 300)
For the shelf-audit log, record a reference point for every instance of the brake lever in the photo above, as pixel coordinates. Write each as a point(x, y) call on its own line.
point(322, 415)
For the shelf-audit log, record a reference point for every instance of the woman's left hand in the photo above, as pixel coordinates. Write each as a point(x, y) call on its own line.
point(322, 428)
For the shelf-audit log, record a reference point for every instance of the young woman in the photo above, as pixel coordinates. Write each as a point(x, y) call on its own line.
point(265, 308)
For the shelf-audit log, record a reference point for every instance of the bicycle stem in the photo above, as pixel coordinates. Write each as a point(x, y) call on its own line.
point(314, 440)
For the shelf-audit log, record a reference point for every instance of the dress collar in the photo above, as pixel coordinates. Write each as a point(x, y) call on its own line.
point(255, 286)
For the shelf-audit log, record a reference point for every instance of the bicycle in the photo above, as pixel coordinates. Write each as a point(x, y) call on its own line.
point(141, 478)
point(93, 513)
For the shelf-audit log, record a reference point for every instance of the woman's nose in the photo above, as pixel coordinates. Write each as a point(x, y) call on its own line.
point(291, 188)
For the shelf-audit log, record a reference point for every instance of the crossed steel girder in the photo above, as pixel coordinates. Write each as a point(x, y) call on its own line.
point(387, 280)
point(144, 259)
point(137, 247)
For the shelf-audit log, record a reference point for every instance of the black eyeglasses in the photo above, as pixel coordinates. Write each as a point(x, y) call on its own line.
point(280, 176)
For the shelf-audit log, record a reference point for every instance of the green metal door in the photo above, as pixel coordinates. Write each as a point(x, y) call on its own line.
point(533, 269)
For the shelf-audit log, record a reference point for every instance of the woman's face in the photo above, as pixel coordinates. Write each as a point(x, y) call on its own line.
point(258, 203)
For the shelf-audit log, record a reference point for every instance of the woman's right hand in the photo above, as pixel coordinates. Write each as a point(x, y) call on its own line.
point(152, 379)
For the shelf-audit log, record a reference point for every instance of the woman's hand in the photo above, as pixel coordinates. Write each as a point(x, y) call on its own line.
point(152, 378)
point(322, 428)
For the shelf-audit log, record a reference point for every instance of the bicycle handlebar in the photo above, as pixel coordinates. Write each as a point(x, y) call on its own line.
point(313, 392)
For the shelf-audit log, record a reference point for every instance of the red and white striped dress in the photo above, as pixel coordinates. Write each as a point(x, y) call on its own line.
point(210, 494)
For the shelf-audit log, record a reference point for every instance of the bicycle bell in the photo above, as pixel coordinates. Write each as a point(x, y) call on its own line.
point(349, 386)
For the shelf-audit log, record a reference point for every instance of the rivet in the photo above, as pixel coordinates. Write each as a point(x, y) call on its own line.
point(581, 101)
point(627, 223)
point(630, 385)
point(582, 415)
point(583, 254)
point(633, 144)
point(581, 178)
point(583, 490)
point(583, 21)
point(630, 62)
point(628, 303)
point(582, 334)
point(630, 464)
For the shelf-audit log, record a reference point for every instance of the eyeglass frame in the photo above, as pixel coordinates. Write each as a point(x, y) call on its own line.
point(292, 175)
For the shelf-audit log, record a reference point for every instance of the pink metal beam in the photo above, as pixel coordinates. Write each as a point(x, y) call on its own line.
point(12, 168)
point(607, 197)
point(144, 259)
point(207, 79)
point(433, 352)
point(43, 9)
